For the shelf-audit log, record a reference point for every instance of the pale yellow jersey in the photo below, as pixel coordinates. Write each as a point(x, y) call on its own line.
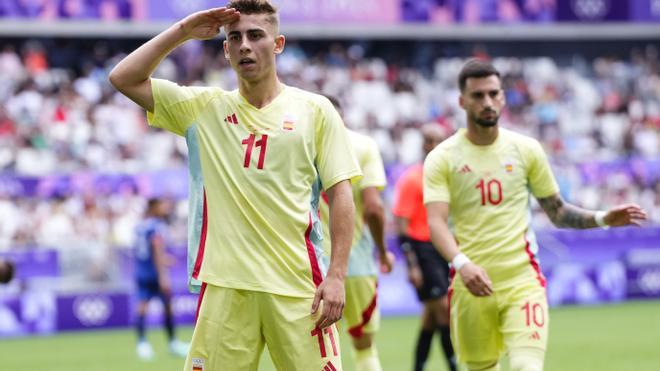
point(488, 189)
point(256, 176)
point(361, 261)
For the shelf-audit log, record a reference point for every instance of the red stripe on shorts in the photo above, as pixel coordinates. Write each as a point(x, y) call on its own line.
point(317, 277)
point(199, 300)
point(534, 263)
point(202, 241)
point(358, 331)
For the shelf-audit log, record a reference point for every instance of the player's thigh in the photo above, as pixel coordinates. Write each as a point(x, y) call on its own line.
point(294, 342)
point(525, 319)
point(361, 312)
point(475, 327)
point(227, 334)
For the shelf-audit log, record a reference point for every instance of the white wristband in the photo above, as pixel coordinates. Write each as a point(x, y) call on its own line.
point(459, 261)
point(599, 217)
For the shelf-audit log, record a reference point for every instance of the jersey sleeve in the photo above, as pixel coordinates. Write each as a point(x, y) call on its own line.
point(176, 107)
point(405, 193)
point(373, 170)
point(542, 182)
point(335, 158)
point(436, 177)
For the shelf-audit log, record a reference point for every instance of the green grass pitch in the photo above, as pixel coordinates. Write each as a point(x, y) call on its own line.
point(604, 338)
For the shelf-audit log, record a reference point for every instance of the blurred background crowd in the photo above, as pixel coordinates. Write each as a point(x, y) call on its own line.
point(597, 117)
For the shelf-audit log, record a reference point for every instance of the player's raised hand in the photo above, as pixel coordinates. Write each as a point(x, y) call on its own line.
point(476, 280)
point(331, 292)
point(621, 215)
point(206, 24)
point(387, 262)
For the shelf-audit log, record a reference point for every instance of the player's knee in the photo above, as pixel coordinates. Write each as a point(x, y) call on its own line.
point(527, 359)
point(493, 365)
point(363, 342)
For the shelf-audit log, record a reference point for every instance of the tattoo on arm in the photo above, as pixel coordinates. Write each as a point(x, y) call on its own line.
point(565, 215)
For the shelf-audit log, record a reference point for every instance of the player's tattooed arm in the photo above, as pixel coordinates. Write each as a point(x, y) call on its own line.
point(565, 215)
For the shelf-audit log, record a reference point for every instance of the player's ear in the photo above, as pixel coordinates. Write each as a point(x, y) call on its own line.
point(461, 101)
point(226, 49)
point(279, 44)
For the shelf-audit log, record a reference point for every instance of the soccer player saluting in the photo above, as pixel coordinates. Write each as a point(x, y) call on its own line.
point(259, 158)
point(361, 312)
point(427, 270)
point(152, 276)
point(482, 177)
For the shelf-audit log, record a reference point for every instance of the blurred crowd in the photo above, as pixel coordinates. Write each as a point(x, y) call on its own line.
point(599, 121)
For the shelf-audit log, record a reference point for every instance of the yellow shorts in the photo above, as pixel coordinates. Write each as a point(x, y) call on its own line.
point(361, 311)
point(482, 328)
point(234, 325)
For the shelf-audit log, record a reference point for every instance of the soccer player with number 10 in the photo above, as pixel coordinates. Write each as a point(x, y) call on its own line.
point(483, 177)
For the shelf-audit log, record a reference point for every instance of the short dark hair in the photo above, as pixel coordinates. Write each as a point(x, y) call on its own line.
point(7, 274)
point(476, 68)
point(255, 7)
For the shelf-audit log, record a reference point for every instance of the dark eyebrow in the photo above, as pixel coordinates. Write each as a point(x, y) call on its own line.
point(231, 33)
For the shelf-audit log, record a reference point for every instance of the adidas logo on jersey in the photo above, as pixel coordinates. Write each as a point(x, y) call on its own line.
point(465, 169)
point(231, 119)
point(535, 336)
point(329, 367)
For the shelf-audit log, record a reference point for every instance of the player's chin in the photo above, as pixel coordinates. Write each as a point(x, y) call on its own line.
point(247, 73)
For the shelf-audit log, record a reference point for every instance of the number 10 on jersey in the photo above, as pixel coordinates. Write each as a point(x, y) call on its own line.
point(250, 143)
point(491, 191)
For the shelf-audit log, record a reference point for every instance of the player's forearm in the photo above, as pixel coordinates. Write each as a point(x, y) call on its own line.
point(138, 66)
point(375, 218)
point(441, 236)
point(342, 219)
point(565, 215)
point(443, 240)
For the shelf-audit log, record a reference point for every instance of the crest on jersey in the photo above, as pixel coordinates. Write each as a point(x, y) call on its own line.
point(288, 124)
point(508, 167)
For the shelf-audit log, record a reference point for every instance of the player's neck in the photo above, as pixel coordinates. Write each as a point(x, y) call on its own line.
point(260, 93)
point(481, 135)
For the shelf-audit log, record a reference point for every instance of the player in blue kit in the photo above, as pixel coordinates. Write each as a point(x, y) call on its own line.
point(151, 262)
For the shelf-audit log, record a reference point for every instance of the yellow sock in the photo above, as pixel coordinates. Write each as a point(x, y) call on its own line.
point(367, 360)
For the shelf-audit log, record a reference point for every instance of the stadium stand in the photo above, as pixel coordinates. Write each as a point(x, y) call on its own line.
point(598, 119)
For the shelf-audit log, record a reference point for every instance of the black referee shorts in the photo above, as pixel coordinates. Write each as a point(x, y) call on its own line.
point(435, 271)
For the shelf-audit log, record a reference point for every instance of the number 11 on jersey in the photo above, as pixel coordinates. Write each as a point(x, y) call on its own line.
point(250, 143)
